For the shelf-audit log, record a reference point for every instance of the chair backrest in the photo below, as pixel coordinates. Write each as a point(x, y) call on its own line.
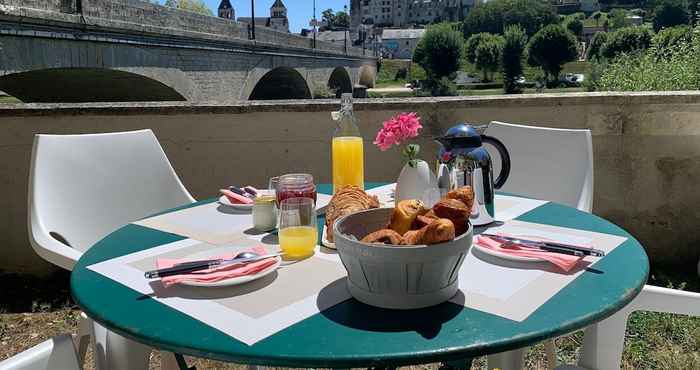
point(57, 353)
point(83, 187)
point(547, 163)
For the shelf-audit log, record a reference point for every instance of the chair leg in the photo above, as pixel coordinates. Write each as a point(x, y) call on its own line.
point(550, 349)
point(509, 360)
point(604, 342)
point(82, 339)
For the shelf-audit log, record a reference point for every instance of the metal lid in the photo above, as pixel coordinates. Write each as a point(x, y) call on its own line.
point(462, 135)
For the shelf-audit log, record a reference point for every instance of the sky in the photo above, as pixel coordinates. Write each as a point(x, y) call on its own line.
point(299, 12)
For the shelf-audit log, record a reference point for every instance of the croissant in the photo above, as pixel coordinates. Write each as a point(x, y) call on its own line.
point(413, 237)
point(349, 199)
point(438, 231)
point(422, 221)
point(465, 194)
point(451, 208)
point(404, 214)
point(383, 236)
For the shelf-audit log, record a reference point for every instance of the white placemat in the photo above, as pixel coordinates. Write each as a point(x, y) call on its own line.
point(212, 223)
point(248, 312)
point(514, 290)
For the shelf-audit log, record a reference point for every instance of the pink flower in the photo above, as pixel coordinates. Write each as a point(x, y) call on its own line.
point(398, 129)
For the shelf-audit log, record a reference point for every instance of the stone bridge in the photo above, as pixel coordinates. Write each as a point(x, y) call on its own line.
point(130, 50)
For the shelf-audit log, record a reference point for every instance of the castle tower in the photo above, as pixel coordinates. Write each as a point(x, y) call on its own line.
point(226, 10)
point(278, 16)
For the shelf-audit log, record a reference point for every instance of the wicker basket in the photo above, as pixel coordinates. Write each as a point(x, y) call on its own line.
point(397, 277)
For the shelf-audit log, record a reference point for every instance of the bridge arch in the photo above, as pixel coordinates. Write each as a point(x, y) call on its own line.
point(79, 85)
point(340, 81)
point(367, 76)
point(281, 83)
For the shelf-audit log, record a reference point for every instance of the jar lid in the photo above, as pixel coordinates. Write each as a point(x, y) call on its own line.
point(264, 199)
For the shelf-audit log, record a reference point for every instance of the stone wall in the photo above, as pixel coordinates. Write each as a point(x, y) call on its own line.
point(646, 148)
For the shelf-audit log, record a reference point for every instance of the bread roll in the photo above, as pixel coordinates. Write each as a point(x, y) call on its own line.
point(404, 214)
point(465, 194)
point(452, 209)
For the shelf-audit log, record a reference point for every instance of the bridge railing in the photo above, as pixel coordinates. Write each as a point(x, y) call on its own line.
point(142, 16)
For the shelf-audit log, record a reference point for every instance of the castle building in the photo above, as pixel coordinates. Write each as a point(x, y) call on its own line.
point(226, 10)
point(277, 20)
point(401, 13)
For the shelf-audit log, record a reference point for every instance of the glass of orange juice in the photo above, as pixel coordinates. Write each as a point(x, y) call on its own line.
point(297, 227)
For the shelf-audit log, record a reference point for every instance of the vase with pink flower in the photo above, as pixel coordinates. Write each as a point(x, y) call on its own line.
point(416, 180)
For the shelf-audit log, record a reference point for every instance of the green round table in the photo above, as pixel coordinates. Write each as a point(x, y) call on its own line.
point(352, 334)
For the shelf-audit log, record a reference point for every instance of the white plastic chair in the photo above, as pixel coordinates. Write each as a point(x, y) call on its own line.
point(57, 353)
point(81, 188)
point(546, 163)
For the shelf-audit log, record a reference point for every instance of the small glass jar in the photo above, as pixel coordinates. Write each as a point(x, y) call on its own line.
point(296, 185)
point(264, 213)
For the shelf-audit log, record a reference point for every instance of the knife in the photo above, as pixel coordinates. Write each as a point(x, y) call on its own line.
point(552, 246)
point(194, 266)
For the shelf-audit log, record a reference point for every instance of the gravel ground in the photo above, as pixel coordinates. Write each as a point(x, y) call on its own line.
point(33, 310)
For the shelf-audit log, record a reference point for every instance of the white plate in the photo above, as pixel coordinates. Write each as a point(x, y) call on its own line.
point(223, 200)
point(325, 241)
point(237, 280)
point(506, 256)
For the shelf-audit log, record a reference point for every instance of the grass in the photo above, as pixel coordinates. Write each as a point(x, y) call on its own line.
point(32, 310)
point(9, 100)
point(387, 75)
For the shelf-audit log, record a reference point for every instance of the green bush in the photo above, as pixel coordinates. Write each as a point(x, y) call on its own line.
point(596, 46)
point(550, 48)
point(675, 68)
point(669, 13)
point(668, 37)
point(440, 51)
point(493, 16)
point(514, 43)
point(626, 40)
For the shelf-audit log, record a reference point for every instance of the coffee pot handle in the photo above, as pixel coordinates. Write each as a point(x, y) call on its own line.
point(505, 160)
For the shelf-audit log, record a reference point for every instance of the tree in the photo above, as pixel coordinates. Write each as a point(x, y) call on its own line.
point(596, 46)
point(197, 6)
point(493, 16)
point(574, 25)
point(440, 52)
point(626, 40)
point(514, 43)
point(596, 17)
point(617, 18)
point(488, 56)
point(550, 48)
point(473, 43)
point(334, 21)
point(669, 13)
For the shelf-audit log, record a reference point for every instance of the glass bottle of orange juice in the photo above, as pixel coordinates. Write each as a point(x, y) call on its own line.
point(348, 152)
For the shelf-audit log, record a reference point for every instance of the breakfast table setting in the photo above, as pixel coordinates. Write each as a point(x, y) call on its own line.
point(435, 267)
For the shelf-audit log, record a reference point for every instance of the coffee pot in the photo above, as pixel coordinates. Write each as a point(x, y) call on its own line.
point(463, 160)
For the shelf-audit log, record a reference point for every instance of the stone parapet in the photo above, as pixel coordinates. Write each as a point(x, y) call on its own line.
point(646, 149)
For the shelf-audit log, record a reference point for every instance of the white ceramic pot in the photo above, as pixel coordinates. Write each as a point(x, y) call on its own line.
point(417, 182)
